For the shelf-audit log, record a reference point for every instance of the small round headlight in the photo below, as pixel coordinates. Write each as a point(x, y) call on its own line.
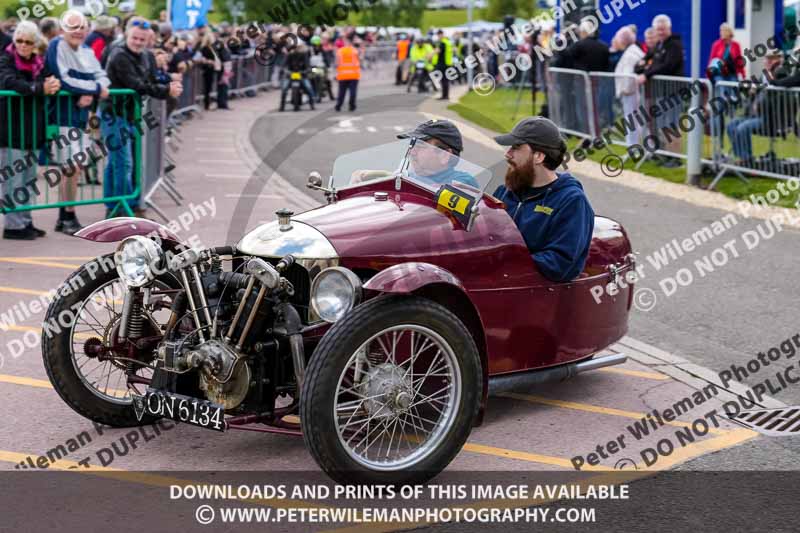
point(335, 291)
point(137, 258)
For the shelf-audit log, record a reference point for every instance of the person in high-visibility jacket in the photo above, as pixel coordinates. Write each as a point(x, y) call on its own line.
point(402, 59)
point(442, 61)
point(348, 72)
point(420, 51)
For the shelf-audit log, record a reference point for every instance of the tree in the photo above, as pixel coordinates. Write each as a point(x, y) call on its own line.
point(497, 9)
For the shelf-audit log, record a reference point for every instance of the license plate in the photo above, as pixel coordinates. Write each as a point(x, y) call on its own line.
point(296, 76)
point(185, 409)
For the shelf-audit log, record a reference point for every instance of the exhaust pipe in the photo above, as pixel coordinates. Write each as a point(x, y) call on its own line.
point(519, 381)
point(292, 327)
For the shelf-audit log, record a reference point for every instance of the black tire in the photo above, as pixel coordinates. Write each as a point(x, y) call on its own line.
point(58, 361)
point(328, 362)
point(297, 98)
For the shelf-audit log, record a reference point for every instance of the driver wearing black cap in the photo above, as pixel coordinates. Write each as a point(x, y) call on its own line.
point(433, 157)
point(550, 209)
point(434, 160)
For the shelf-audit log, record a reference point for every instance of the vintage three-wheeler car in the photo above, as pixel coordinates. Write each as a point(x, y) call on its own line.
point(382, 320)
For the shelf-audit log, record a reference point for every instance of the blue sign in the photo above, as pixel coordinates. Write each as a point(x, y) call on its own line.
point(188, 14)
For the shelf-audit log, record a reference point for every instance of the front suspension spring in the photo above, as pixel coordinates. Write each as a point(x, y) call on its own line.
point(136, 320)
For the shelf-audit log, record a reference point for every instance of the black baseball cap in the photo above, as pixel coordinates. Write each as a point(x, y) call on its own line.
point(443, 130)
point(539, 132)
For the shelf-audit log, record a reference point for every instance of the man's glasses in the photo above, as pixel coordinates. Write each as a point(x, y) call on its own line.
point(25, 41)
point(145, 25)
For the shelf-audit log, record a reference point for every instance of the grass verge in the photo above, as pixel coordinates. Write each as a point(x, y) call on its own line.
point(503, 108)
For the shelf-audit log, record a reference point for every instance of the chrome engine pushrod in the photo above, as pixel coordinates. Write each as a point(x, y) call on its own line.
point(201, 294)
point(192, 305)
point(239, 310)
point(259, 297)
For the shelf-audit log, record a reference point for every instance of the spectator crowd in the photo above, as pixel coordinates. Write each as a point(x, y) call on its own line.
point(64, 69)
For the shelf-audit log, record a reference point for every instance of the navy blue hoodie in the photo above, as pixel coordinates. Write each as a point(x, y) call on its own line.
point(557, 226)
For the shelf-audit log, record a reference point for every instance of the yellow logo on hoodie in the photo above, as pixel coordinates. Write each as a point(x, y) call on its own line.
point(543, 209)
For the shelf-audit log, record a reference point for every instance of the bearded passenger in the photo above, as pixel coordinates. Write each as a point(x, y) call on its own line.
point(549, 208)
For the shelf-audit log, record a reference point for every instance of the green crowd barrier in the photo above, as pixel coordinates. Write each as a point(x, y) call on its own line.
point(37, 165)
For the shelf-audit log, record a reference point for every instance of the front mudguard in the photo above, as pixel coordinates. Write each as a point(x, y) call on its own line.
point(117, 229)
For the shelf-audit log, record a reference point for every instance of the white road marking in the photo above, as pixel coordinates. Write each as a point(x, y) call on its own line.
point(262, 196)
point(228, 176)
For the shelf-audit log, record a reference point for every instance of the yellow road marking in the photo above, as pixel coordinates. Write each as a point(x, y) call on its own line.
point(37, 262)
point(525, 456)
point(17, 290)
point(143, 478)
point(731, 438)
point(53, 258)
point(44, 384)
point(60, 464)
point(597, 409)
point(39, 330)
point(30, 382)
point(470, 447)
point(635, 373)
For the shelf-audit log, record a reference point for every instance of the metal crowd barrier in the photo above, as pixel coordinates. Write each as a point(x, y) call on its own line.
point(728, 126)
point(667, 101)
point(616, 99)
point(157, 163)
point(49, 132)
point(49, 141)
point(756, 130)
point(570, 102)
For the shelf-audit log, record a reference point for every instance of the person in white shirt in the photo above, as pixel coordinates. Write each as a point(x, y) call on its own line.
point(627, 89)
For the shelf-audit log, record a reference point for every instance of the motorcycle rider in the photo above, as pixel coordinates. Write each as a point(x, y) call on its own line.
point(318, 59)
point(297, 61)
point(550, 209)
point(420, 51)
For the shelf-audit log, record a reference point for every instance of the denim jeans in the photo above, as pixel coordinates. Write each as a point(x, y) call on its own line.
point(306, 84)
point(17, 188)
point(119, 136)
point(740, 132)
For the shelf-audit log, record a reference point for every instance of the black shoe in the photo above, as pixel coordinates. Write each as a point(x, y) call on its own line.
point(282, 108)
point(671, 163)
point(338, 109)
point(443, 98)
point(37, 231)
point(352, 109)
point(68, 227)
point(25, 234)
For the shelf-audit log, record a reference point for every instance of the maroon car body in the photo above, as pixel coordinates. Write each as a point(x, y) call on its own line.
point(403, 244)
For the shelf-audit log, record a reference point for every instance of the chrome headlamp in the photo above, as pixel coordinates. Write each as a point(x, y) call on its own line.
point(138, 259)
point(334, 293)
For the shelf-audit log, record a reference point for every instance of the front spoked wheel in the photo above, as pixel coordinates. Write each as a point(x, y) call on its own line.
point(391, 392)
point(90, 369)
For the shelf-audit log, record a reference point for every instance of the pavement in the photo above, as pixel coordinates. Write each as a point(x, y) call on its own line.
point(252, 161)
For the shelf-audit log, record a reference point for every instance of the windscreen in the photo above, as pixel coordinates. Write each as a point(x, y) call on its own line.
point(416, 160)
